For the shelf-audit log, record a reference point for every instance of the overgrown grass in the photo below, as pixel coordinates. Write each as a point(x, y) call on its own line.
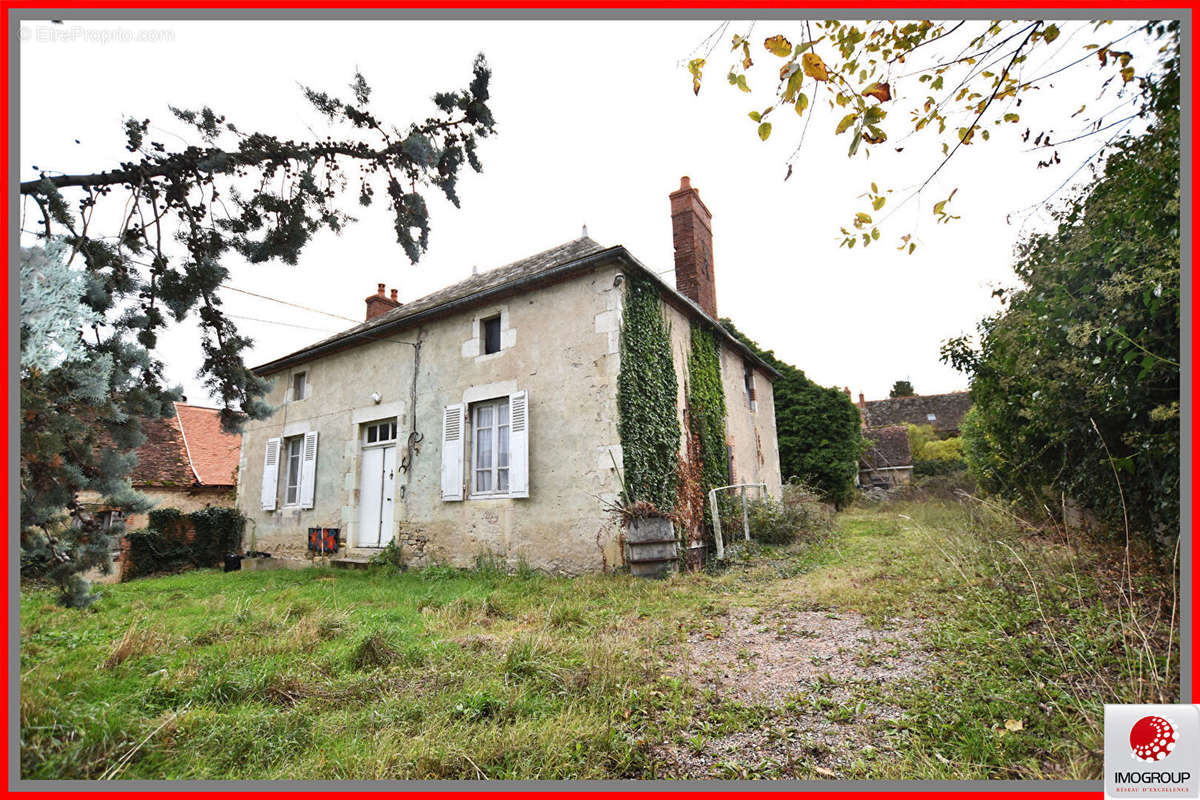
point(444, 673)
point(1024, 629)
point(437, 673)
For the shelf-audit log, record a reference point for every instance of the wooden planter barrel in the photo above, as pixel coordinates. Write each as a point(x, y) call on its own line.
point(650, 542)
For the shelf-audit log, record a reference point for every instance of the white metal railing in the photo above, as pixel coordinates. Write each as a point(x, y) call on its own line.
point(716, 515)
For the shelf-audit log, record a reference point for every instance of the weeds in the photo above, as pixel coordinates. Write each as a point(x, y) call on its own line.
point(138, 640)
point(450, 673)
point(372, 652)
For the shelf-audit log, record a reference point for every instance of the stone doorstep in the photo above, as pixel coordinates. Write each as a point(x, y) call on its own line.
point(352, 557)
point(350, 562)
point(275, 563)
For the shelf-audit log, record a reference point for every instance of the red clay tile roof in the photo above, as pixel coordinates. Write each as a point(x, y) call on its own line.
point(198, 454)
point(162, 458)
point(214, 453)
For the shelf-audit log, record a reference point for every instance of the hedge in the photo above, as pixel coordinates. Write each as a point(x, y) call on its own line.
point(175, 540)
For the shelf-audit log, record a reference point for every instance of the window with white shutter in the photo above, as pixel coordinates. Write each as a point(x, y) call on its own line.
point(452, 451)
point(270, 483)
point(308, 470)
point(489, 445)
point(292, 456)
point(518, 444)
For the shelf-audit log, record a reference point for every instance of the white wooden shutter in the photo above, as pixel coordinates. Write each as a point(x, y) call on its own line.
point(518, 444)
point(452, 451)
point(270, 483)
point(308, 470)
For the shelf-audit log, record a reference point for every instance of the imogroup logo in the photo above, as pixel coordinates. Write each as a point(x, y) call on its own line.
point(1152, 738)
point(1151, 751)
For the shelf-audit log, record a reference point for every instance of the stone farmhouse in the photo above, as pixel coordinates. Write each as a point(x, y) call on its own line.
point(483, 418)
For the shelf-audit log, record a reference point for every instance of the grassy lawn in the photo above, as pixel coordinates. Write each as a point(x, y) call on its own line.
point(923, 640)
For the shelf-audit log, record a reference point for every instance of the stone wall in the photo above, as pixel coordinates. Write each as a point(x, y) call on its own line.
point(560, 343)
point(186, 500)
point(749, 431)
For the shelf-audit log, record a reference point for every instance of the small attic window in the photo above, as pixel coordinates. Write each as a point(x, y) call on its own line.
point(299, 385)
point(931, 417)
point(490, 332)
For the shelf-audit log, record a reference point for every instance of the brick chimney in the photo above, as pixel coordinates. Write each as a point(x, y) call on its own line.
point(862, 400)
point(691, 227)
point(380, 303)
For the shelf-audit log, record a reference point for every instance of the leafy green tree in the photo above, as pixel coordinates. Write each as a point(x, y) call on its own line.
point(149, 240)
point(819, 429)
point(902, 389)
point(1075, 385)
point(919, 437)
point(942, 85)
point(943, 450)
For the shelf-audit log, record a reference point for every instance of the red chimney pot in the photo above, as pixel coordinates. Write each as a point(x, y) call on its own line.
point(379, 303)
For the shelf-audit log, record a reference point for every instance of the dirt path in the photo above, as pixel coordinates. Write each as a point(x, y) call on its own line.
point(812, 670)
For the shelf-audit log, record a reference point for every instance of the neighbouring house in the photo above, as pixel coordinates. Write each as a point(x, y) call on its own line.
point(483, 418)
point(942, 412)
point(187, 462)
point(887, 461)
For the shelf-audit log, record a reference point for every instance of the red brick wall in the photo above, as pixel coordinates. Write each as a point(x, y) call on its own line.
point(691, 229)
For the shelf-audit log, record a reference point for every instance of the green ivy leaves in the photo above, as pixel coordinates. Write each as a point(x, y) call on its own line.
point(647, 410)
point(706, 407)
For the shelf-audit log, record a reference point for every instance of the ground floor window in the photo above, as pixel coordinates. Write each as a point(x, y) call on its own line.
point(490, 426)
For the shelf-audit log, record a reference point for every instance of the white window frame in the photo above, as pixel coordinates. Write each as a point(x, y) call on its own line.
point(377, 425)
point(493, 468)
point(294, 470)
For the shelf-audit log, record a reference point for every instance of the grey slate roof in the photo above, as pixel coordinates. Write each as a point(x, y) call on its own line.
point(948, 409)
point(476, 288)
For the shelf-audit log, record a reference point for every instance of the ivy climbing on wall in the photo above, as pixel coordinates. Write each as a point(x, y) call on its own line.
point(646, 399)
point(706, 409)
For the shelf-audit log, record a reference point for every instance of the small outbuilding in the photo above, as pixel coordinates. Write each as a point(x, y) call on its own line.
point(887, 463)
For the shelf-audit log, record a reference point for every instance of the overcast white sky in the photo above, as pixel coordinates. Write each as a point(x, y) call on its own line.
point(596, 124)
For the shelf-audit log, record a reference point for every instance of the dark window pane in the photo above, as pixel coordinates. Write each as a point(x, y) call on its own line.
point(491, 335)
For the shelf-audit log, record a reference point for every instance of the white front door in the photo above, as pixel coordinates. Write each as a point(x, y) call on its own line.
point(375, 496)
